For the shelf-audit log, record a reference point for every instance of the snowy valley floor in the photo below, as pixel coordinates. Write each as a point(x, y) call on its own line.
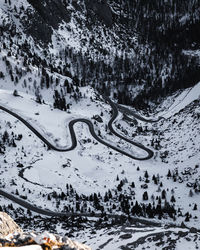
point(95, 178)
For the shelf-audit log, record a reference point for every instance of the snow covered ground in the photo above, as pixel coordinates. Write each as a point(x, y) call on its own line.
point(128, 237)
point(69, 181)
point(180, 101)
point(92, 167)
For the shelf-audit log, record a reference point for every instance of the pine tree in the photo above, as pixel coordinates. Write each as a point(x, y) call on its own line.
point(187, 218)
point(190, 193)
point(163, 194)
point(146, 175)
point(173, 199)
point(5, 137)
point(133, 184)
point(169, 173)
point(15, 93)
point(195, 207)
point(145, 196)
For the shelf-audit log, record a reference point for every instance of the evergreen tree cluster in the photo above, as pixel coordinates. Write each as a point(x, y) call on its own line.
point(9, 140)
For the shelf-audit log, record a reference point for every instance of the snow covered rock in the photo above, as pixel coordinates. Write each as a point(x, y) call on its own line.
point(31, 247)
point(7, 225)
point(44, 238)
point(40, 241)
point(11, 235)
point(55, 241)
point(70, 245)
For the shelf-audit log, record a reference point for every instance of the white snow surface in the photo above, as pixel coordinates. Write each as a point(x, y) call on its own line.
point(181, 101)
point(92, 167)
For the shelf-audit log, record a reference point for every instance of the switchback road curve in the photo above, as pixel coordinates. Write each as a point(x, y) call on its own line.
point(127, 111)
point(74, 144)
point(92, 131)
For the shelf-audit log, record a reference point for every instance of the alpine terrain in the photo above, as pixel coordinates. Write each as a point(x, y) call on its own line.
point(99, 121)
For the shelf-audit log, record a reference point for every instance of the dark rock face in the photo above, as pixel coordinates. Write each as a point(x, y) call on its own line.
point(48, 14)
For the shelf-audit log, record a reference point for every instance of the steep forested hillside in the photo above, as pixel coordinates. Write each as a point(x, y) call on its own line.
point(115, 46)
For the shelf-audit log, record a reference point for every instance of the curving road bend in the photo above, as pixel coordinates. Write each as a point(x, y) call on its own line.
point(68, 214)
point(74, 144)
point(139, 117)
point(92, 131)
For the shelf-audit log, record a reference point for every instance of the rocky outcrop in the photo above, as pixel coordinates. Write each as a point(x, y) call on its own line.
point(44, 240)
point(11, 235)
point(7, 225)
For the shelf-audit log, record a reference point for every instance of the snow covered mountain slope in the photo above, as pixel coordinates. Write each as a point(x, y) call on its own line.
point(74, 176)
point(58, 61)
point(180, 100)
point(128, 237)
point(103, 44)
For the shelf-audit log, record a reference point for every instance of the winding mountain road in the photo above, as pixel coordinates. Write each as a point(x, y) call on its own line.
point(68, 214)
point(127, 111)
point(92, 131)
point(74, 144)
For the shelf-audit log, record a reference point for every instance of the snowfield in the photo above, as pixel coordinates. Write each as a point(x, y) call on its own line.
point(181, 101)
point(93, 167)
point(55, 60)
point(33, 172)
